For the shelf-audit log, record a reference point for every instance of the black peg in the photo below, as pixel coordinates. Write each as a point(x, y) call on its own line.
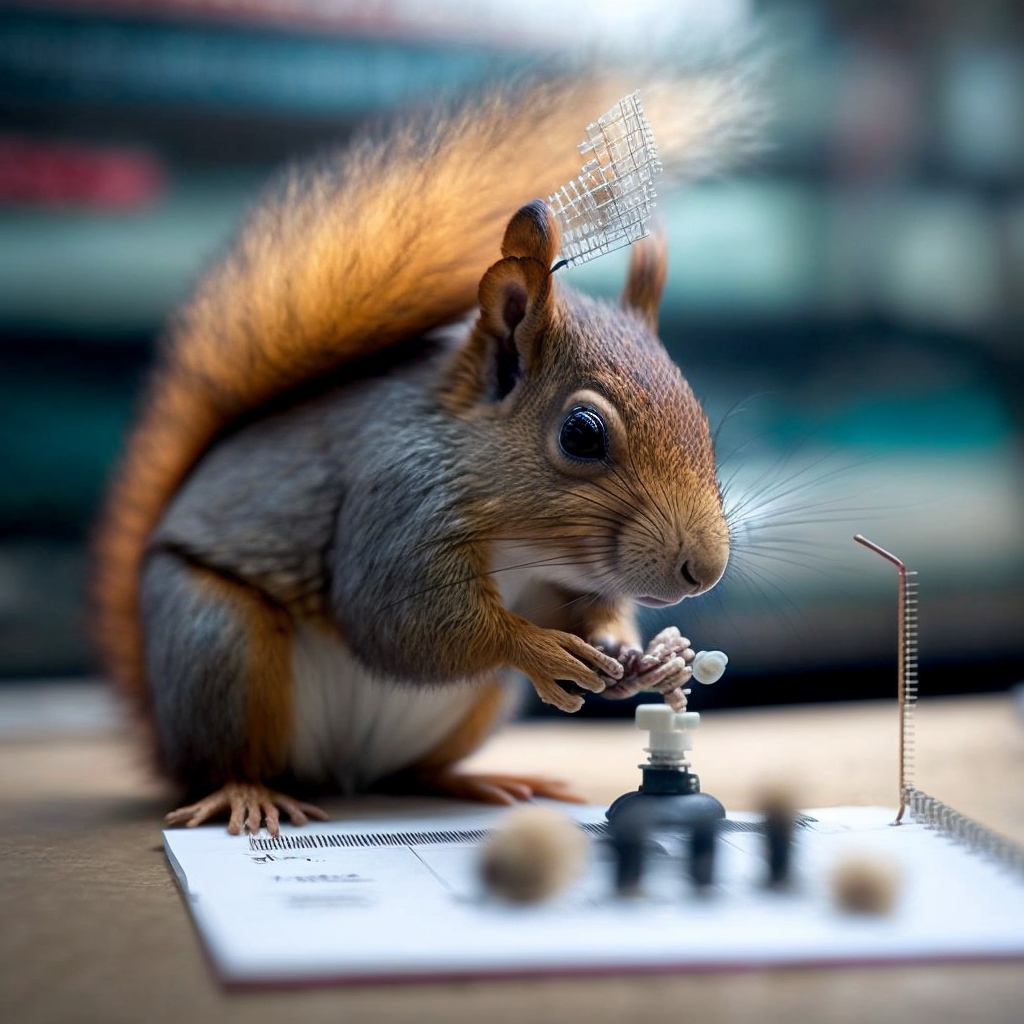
point(701, 860)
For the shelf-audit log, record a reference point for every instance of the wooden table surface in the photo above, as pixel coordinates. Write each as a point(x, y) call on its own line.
point(94, 927)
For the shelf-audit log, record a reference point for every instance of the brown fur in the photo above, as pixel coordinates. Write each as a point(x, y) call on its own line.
point(648, 268)
point(268, 674)
point(367, 249)
point(470, 732)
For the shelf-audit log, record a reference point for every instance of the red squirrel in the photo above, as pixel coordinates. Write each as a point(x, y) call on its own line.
point(386, 455)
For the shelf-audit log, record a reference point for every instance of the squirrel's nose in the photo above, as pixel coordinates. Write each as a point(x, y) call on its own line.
point(702, 566)
point(687, 573)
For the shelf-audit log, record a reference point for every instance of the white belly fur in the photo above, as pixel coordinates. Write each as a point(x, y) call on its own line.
point(351, 728)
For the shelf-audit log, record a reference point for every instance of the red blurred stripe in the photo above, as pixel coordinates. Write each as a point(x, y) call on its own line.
point(53, 173)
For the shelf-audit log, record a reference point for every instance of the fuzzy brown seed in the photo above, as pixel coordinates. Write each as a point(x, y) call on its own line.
point(533, 855)
point(865, 884)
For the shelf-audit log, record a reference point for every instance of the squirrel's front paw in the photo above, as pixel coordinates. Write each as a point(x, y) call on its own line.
point(551, 658)
point(664, 667)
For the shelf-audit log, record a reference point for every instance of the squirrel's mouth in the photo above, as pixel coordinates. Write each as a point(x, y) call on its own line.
point(654, 602)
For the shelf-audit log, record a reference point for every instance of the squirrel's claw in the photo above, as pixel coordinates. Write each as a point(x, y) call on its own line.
point(551, 693)
point(663, 667)
point(248, 804)
point(663, 646)
point(669, 675)
point(548, 656)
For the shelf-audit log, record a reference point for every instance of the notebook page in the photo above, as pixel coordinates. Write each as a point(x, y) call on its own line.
point(409, 904)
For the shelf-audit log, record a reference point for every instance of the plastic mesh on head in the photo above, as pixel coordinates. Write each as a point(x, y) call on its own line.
point(609, 204)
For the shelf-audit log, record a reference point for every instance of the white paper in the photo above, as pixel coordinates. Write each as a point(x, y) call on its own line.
point(418, 910)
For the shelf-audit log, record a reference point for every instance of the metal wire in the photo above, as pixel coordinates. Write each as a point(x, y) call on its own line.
point(956, 826)
point(906, 670)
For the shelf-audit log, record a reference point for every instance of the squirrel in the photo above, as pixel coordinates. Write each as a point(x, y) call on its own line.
point(385, 456)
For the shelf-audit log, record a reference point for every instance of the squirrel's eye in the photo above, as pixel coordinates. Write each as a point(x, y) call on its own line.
point(583, 435)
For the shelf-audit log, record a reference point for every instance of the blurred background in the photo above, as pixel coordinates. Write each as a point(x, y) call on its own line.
point(850, 308)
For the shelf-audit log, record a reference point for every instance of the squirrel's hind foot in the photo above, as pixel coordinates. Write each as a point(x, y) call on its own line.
point(493, 788)
point(249, 804)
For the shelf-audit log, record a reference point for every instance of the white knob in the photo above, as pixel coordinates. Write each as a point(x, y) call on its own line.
point(671, 732)
point(661, 718)
point(709, 666)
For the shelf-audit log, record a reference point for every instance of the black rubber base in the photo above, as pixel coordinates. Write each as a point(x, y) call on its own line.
point(666, 811)
point(667, 798)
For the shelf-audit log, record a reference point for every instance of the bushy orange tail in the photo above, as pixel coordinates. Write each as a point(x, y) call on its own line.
point(348, 256)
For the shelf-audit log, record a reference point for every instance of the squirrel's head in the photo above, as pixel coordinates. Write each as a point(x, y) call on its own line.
point(602, 453)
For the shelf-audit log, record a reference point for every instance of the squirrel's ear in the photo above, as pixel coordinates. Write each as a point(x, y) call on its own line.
point(532, 232)
point(515, 297)
point(648, 267)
